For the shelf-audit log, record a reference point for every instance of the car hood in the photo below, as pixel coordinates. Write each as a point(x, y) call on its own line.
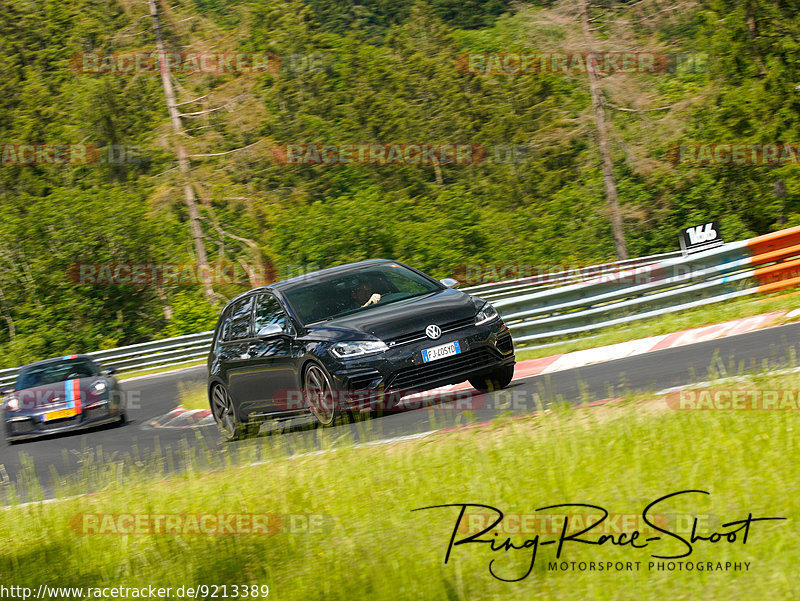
point(401, 318)
point(57, 394)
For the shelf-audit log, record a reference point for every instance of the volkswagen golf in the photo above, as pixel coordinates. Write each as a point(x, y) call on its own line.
point(347, 338)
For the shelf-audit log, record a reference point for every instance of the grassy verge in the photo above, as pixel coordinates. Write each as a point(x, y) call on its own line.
point(193, 396)
point(672, 322)
point(342, 525)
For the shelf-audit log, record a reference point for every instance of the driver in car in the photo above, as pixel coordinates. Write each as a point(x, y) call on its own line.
point(363, 295)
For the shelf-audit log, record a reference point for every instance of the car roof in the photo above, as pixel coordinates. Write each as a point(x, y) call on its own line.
point(54, 360)
point(288, 283)
point(339, 269)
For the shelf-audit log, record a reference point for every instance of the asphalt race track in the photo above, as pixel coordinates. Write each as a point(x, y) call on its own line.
point(772, 347)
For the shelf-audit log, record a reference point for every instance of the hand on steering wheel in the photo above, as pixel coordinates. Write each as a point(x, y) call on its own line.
point(374, 299)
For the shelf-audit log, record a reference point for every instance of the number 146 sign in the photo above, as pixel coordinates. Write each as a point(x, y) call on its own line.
point(700, 237)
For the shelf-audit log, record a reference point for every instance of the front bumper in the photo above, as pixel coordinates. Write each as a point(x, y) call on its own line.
point(27, 425)
point(400, 371)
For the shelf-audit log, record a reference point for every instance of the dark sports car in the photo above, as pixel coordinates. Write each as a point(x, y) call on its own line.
point(345, 338)
point(59, 395)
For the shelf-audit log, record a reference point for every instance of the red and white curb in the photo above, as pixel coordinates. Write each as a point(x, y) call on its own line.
point(621, 350)
point(183, 418)
point(196, 418)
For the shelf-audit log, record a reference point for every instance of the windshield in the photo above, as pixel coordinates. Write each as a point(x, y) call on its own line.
point(51, 373)
point(343, 294)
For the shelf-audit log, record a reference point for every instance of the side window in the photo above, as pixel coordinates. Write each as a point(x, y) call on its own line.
point(237, 321)
point(268, 312)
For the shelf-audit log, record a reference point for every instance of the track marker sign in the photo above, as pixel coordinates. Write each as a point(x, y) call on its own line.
point(700, 237)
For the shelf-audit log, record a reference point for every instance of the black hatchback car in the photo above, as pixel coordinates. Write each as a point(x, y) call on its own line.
point(344, 338)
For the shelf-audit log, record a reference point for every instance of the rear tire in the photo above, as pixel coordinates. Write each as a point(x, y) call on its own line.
point(494, 380)
point(225, 415)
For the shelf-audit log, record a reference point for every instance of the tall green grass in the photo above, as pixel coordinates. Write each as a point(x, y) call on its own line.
point(371, 545)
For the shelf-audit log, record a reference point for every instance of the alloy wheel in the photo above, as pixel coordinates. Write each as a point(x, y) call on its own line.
point(222, 408)
point(319, 395)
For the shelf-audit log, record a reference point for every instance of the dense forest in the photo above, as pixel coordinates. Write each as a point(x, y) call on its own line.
point(101, 167)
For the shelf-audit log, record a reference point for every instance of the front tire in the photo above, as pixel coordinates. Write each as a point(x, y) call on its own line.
point(318, 394)
point(225, 415)
point(494, 380)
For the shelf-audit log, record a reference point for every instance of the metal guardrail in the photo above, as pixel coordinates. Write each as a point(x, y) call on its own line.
point(170, 352)
point(174, 352)
point(510, 288)
point(759, 265)
point(559, 305)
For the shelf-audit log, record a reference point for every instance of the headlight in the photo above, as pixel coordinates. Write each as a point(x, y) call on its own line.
point(99, 387)
point(488, 313)
point(12, 402)
point(346, 350)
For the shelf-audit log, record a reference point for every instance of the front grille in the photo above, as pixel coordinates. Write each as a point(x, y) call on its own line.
point(95, 412)
point(458, 324)
point(420, 376)
point(21, 426)
point(419, 334)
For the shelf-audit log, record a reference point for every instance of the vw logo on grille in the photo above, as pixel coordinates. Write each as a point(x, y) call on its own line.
point(433, 331)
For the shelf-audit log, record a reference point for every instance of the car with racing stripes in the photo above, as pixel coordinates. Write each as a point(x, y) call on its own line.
point(60, 395)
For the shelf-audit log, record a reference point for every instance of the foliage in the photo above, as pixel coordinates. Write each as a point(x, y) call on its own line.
point(376, 72)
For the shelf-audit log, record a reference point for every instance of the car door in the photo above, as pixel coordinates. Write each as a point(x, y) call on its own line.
point(271, 350)
point(235, 338)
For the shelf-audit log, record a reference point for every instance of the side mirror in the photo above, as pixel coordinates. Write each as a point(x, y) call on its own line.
point(4, 392)
point(110, 371)
point(271, 329)
point(449, 282)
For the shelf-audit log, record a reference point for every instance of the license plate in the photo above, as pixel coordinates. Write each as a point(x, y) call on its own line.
point(59, 414)
point(440, 352)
